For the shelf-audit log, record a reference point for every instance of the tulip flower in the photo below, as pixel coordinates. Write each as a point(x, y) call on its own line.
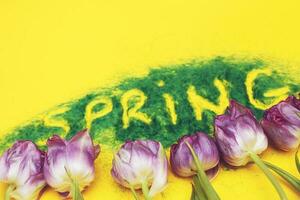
point(240, 139)
point(281, 124)
point(196, 154)
point(139, 164)
point(69, 165)
point(22, 169)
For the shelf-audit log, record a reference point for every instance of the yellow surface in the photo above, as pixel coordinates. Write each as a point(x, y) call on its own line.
point(52, 51)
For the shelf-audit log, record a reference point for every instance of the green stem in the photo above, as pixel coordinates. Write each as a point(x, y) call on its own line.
point(297, 160)
point(198, 191)
point(194, 196)
point(295, 182)
point(9, 189)
point(134, 193)
point(145, 190)
point(75, 191)
point(269, 175)
point(208, 188)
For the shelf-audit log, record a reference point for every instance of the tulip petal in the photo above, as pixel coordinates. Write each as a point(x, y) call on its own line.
point(151, 145)
point(97, 150)
point(213, 172)
point(181, 160)
point(3, 167)
point(292, 100)
point(290, 113)
point(83, 142)
point(31, 189)
point(160, 177)
point(20, 162)
point(206, 150)
point(55, 165)
point(80, 156)
point(251, 136)
point(230, 149)
point(281, 135)
point(235, 110)
point(123, 173)
point(141, 158)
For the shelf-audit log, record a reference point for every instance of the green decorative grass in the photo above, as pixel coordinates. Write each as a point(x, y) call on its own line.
point(109, 129)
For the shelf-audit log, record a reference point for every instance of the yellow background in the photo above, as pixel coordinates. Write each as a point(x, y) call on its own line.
point(53, 51)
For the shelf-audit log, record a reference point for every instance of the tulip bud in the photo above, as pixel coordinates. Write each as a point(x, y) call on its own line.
point(22, 168)
point(139, 164)
point(69, 165)
point(237, 133)
point(197, 154)
point(281, 124)
point(182, 161)
point(240, 138)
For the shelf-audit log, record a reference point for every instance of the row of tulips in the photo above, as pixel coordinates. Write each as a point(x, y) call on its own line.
point(68, 166)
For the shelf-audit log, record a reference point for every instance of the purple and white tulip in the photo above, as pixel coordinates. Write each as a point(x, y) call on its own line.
point(281, 124)
point(182, 161)
point(22, 169)
point(198, 155)
point(237, 133)
point(139, 164)
point(69, 165)
point(241, 138)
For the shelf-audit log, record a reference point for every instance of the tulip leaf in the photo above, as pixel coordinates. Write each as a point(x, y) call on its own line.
point(255, 158)
point(197, 190)
point(297, 160)
point(295, 182)
point(194, 195)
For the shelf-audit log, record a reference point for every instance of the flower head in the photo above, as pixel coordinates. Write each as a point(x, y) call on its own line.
point(70, 161)
point(182, 161)
point(138, 162)
point(22, 168)
point(281, 124)
point(237, 133)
